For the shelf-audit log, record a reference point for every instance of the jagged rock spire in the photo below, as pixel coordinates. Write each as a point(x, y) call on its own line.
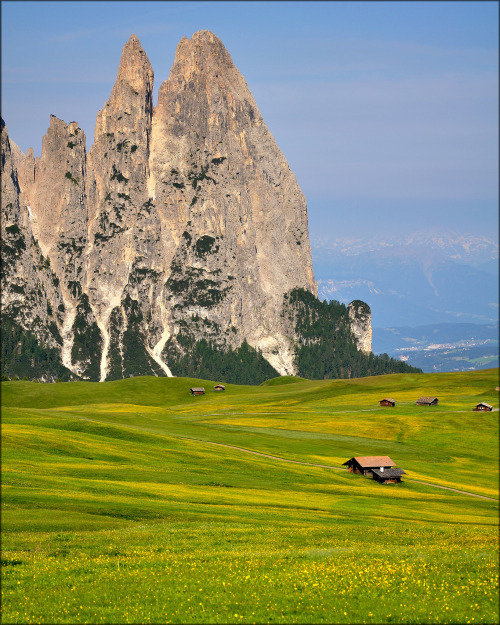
point(203, 72)
point(185, 221)
point(217, 171)
point(131, 99)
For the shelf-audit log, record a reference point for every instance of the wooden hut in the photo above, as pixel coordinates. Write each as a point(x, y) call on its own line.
point(219, 387)
point(380, 468)
point(427, 401)
point(388, 401)
point(388, 476)
point(197, 390)
point(365, 464)
point(483, 406)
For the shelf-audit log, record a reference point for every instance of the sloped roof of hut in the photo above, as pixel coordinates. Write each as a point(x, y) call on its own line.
point(389, 472)
point(373, 461)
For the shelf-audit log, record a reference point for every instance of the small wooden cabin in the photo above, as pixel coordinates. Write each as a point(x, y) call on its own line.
point(365, 464)
point(482, 406)
point(427, 401)
point(380, 468)
point(388, 401)
point(197, 390)
point(388, 476)
point(219, 387)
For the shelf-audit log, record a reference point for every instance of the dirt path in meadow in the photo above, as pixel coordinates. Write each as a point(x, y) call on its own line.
point(455, 490)
point(327, 466)
point(258, 453)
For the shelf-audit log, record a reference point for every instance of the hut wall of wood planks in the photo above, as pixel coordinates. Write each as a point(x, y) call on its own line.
point(388, 401)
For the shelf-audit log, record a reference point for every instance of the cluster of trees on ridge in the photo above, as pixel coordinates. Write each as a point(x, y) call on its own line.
point(203, 359)
point(327, 348)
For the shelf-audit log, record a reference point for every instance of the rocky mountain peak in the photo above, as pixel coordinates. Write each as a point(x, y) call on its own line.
point(131, 99)
point(59, 181)
point(204, 51)
point(217, 172)
point(203, 72)
point(361, 324)
point(180, 226)
point(17, 153)
point(135, 69)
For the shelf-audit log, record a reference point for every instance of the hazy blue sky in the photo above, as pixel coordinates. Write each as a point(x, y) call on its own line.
point(386, 111)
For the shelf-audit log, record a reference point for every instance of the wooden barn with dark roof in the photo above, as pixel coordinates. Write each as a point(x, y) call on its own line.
point(427, 401)
point(197, 390)
point(388, 401)
point(483, 407)
point(388, 476)
point(381, 468)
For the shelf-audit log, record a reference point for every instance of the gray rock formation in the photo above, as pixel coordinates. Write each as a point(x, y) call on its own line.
point(181, 221)
point(361, 324)
point(30, 289)
point(218, 175)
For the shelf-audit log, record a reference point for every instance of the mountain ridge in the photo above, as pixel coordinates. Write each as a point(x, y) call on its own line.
point(469, 249)
point(182, 223)
point(409, 284)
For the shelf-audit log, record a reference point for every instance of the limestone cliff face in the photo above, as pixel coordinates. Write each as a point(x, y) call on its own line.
point(181, 221)
point(55, 187)
point(127, 248)
point(227, 195)
point(361, 324)
point(30, 289)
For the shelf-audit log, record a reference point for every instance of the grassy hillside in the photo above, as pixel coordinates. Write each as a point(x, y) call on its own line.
point(128, 501)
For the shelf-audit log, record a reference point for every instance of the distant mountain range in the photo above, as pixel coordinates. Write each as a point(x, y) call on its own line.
point(441, 347)
point(441, 334)
point(469, 249)
point(412, 281)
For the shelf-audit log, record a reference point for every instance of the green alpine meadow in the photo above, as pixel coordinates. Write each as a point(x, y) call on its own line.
point(134, 501)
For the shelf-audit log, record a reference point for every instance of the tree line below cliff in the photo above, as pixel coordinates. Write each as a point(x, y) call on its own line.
point(325, 349)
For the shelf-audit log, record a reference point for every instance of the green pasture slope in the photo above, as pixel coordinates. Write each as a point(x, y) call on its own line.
point(134, 502)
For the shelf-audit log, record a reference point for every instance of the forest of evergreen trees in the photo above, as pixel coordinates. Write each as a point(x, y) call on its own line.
point(23, 356)
point(327, 348)
point(203, 359)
